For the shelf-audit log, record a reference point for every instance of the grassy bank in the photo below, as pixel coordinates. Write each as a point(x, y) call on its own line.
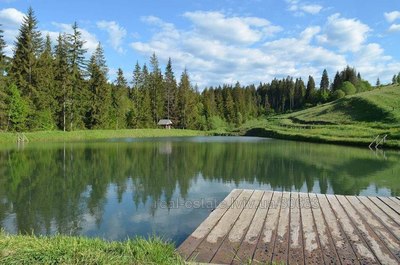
point(78, 250)
point(59, 136)
point(353, 120)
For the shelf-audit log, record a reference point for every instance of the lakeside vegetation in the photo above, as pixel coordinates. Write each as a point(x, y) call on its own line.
point(84, 135)
point(352, 120)
point(29, 249)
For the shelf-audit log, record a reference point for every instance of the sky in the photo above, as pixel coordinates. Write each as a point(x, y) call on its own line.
point(225, 41)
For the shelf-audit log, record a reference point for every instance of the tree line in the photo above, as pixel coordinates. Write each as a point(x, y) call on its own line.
point(46, 87)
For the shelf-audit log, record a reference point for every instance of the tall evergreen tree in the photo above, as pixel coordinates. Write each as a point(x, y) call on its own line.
point(119, 100)
point(3, 93)
point(378, 82)
point(398, 78)
point(324, 85)
point(28, 48)
point(337, 82)
point(394, 80)
point(186, 103)
point(170, 88)
point(46, 106)
point(145, 118)
point(156, 90)
point(310, 91)
point(77, 103)
point(100, 94)
point(62, 81)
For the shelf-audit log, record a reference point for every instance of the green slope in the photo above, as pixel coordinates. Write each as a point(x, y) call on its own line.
point(354, 120)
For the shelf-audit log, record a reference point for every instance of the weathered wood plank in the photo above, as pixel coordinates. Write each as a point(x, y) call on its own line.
point(229, 247)
point(325, 238)
point(281, 250)
point(208, 247)
point(388, 222)
point(296, 232)
point(298, 228)
point(312, 251)
point(343, 247)
point(367, 234)
point(265, 246)
point(193, 241)
point(392, 243)
point(391, 204)
point(249, 244)
point(362, 251)
point(386, 209)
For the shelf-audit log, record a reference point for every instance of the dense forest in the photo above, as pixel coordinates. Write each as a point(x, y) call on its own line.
point(46, 87)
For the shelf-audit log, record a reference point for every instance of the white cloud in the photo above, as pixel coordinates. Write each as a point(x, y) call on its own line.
point(372, 63)
point(346, 34)
point(212, 60)
point(300, 8)
point(311, 9)
point(392, 16)
point(394, 27)
point(90, 39)
point(115, 32)
point(11, 17)
point(245, 30)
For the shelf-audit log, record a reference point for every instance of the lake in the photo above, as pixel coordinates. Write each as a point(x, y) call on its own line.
point(123, 188)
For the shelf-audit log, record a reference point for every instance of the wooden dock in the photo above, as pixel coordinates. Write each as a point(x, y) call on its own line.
point(297, 228)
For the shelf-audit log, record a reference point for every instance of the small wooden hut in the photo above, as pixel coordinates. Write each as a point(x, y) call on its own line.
point(166, 123)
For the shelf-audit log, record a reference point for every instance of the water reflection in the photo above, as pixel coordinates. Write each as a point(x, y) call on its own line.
point(107, 189)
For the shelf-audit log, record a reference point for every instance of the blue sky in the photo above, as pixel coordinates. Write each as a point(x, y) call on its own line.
point(225, 41)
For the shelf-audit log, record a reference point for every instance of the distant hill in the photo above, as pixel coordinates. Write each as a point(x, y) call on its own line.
point(381, 105)
point(352, 120)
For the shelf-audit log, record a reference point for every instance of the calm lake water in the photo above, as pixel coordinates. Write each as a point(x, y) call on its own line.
point(168, 186)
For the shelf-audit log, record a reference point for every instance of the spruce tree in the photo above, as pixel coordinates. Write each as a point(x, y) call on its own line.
point(3, 93)
point(63, 93)
point(186, 102)
point(394, 80)
point(28, 48)
point(170, 88)
point(324, 85)
point(100, 93)
point(46, 106)
point(119, 100)
point(145, 106)
point(337, 82)
point(378, 82)
point(156, 90)
point(310, 91)
point(398, 78)
point(78, 101)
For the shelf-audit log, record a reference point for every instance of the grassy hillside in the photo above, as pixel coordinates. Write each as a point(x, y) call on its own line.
point(355, 120)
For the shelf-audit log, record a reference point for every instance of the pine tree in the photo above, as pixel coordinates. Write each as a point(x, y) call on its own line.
point(46, 105)
point(3, 94)
point(119, 100)
point(324, 81)
point(300, 91)
point(28, 48)
point(100, 93)
point(77, 102)
point(156, 90)
point(145, 118)
point(310, 91)
point(2, 55)
point(170, 88)
point(394, 80)
point(398, 78)
point(186, 103)
point(337, 82)
point(63, 93)
point(378, 82)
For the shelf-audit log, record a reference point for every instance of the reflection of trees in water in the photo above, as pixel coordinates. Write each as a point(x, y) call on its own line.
point(51, 188)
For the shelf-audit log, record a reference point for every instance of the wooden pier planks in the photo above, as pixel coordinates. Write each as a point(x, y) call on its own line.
point(298, 228)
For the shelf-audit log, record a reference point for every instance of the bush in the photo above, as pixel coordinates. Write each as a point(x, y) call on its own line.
point(348, 88)
point(215, 122)
point(338, 94)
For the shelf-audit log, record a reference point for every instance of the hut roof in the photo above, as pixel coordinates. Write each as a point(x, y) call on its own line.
point(164, 122)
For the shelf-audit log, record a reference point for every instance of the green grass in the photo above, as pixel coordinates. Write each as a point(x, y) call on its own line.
point(353, 120)
point(59, 136)
point(79, 250)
